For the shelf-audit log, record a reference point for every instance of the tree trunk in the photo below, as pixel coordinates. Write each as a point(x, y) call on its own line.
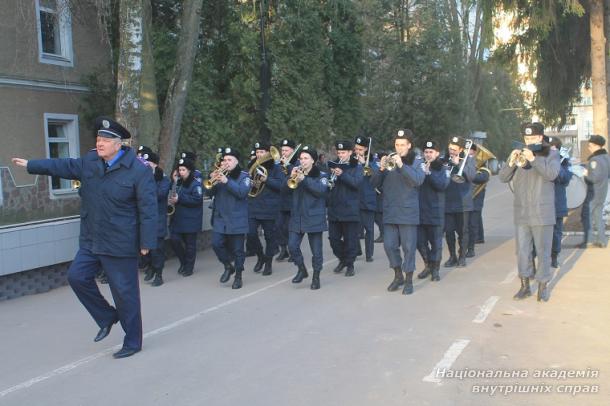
point(129, 70)
point(178, 87)
point(150, 121)
point(265, 75)
point(598, 69)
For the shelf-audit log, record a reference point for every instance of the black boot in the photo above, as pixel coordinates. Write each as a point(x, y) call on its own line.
point(315, 280)
point(339, 267)
point(237, 284)
point(226, 275)
point(451, 262)
point(349, 271)
point(554, 262)
point(426, 272)
point(470, 253)
point(150, 273)
point(524, 291)
point(461, 262)
point(435, 271)
point(398, 281)
point(259, 263)
point(408, 288)
point(301, 274)
point(543, 292)
point(158, 281)
point(268, 270)
point(180, 269)
point(283, 255)
point(379, 239)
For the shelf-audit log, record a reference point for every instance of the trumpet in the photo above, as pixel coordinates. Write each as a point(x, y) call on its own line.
point(293, 181)
point(75, 184)
point(214, 178)
point(390, 164)
point(517, 159)
point(333, 177)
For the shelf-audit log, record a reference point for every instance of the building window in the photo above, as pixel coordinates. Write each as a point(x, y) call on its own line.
point(54, 32)
point(61, 134)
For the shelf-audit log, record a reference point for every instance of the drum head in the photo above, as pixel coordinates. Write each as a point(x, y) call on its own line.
point(576, 191)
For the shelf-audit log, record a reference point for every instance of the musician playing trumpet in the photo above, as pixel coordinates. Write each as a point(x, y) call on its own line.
point(458, 199)
point(308, 215)
point(400, 208)
point(230, 215)
point(288, 161)
point(534, 208)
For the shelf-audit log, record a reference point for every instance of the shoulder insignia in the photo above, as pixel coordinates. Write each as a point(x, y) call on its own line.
point(324, 181)
point(593, 164)
point(199, 190)
point(247, 181)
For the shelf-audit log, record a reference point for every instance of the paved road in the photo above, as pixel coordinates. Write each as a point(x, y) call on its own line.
point(350, 343)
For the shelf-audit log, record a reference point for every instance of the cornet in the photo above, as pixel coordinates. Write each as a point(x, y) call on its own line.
point(517, 158)
point(390, 164)
point(293, 181)
point(214, 178)
point(333, 177)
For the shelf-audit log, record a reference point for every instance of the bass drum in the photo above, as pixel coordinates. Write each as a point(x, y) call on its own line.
point(576, 191)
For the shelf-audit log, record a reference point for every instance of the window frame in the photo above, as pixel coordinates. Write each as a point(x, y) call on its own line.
point(66, 58)
point(73, 139)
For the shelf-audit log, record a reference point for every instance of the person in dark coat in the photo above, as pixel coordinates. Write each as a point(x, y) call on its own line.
point(475, 220)
point(156, 257)
point(597, 173)
point(344, 207)
point(431, 211)
point(368, 195)
point(288, 161)
point(400, 208)
point(187, 220)
point(458, 201)
point(534, 207)
point(263, 209)
point(193, 158)
point(379, 196)
point(230, 215)
point(118, 222)
point(561, 201)
point(308, 215)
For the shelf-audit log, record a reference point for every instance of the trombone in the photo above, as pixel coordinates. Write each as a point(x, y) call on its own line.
point(368, 171)
point(458, 177)
point(288, 159)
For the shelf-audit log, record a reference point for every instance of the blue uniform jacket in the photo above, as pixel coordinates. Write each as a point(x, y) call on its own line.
point(458, 196)
point(432, 195)
point(344, 198)
point(308, 214)
point(368, 195)
point(400, 191)
point(188, 217)
point(561, 182)
point(285, 191)
point(163, 187)
point(118, 206)
point(266, 205)
point(230, 205)
point(481, 178)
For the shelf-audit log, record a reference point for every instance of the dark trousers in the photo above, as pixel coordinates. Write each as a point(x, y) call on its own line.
point(122, 275)
point(185, 247)
point(557, 235)
point(379, 222)
point(315, 244)
point(270, 233)
point(343, 237)
point(585, 218)
point(430, 242)
point(457, 223)
point(367, 219)
point(475, 222)
point(155, 258)
point(283, 219)
point(228, 247)
point(397, 236)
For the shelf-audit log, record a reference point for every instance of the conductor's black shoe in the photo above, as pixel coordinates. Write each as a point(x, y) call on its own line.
point(125, 352)
point(103, 333)
point(339, 267)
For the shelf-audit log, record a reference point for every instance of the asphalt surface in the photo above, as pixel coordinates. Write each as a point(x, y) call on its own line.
point(460, 341)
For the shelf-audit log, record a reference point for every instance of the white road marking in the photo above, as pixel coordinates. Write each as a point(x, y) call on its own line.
point(486, 309)
point(73, 365)
point(510, 277)
point(448, 359)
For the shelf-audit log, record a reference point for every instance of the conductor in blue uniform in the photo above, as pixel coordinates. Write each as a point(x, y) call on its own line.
point(118, 221)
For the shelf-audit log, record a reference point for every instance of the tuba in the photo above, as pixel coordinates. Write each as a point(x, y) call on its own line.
point(481, 157)
point(258, 171)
